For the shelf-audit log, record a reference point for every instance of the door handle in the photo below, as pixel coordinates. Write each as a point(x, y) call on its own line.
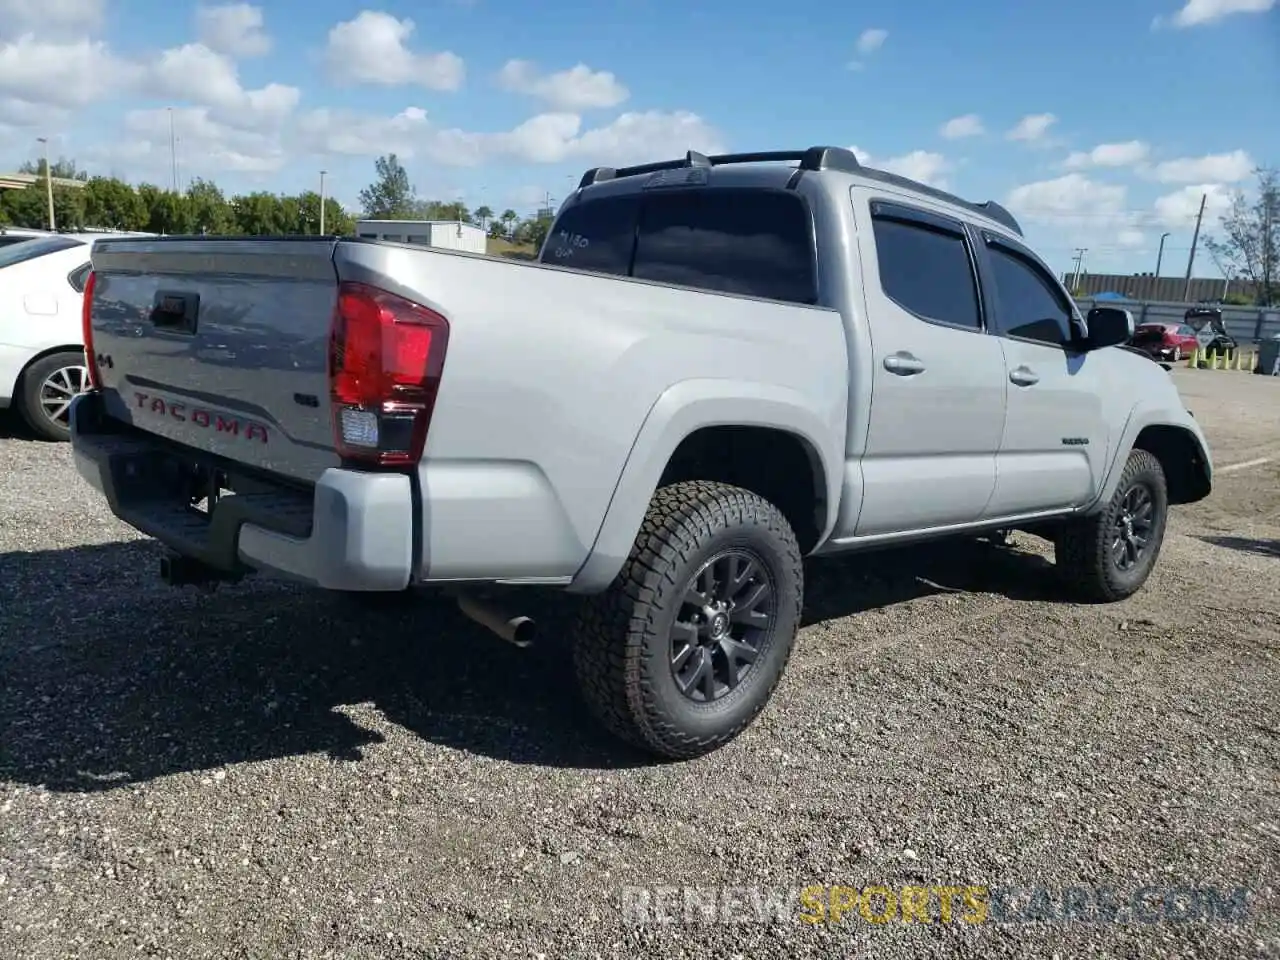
point(1023, 376)
point(903, 364)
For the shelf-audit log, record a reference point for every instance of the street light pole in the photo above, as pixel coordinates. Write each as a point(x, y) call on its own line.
point(322, 173)
point(48, 182)
point(1160, 254)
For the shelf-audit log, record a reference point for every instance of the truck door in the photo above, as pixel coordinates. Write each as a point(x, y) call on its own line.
point(1055, 439)
point(938, 383)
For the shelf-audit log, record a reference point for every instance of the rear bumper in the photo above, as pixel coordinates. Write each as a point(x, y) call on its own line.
point(352, 531)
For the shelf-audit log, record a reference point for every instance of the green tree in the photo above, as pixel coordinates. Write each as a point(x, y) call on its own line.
point(1250, 242)
point(259, 214)
point(28, 207)
point(534, 230)
point(509, 220)
point(113, 205)
point(168, 212)
point(63, 169)
point(391, 196)
point(484, 214)
point(68, 206)
point(209, 211)
point(337, 222)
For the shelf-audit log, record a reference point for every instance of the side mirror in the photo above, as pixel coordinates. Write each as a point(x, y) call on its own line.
point(1108, 327)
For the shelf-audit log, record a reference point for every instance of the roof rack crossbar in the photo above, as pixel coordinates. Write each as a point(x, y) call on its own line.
point(814, 158)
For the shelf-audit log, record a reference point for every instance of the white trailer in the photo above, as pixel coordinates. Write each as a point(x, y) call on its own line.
point(447, 234)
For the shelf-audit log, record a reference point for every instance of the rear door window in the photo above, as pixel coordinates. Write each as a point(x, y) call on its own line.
point(753, 242)
point(597, 235)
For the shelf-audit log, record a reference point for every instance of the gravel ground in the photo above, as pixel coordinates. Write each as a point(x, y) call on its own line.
point(267, 772)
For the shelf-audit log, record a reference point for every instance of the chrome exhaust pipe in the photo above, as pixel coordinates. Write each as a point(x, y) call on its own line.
point(519, 631)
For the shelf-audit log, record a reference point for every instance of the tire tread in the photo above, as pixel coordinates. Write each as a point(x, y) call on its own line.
point(615, 626)
point(1081, 549)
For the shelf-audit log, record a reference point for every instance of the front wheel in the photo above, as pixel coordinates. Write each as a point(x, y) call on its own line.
point(686, 646)
point(1109, 556)
point(48, 387)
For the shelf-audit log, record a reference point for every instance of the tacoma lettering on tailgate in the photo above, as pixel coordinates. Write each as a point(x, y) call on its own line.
point(200, 417)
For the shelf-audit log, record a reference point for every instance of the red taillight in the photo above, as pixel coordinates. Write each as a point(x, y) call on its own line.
point(386, 354)
point(86, 331)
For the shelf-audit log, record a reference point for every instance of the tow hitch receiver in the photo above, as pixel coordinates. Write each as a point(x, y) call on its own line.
point(179, 571)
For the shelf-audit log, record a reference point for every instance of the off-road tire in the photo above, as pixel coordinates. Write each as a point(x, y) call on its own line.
point(1083, 547)
point(622, 639)
point(29, 405)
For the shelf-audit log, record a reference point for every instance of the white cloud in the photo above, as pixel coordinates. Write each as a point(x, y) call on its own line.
point(50, 17)
point(1127, 154)
point(869, 41)
point(1069, 195)
point(1200, 12)
point(1032, 127)
point(372, 49)
point(578, 88)
point(1224, 167)
point(919, 165)
point(204, 147)
point(969, 125)
point(1178, 210)
point(545, 138)
point(61, 75)
point(199, 75)
point(1079, 211)
point(235, 29)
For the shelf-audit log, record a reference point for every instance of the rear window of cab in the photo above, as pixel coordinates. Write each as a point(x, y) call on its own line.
point(751, 242)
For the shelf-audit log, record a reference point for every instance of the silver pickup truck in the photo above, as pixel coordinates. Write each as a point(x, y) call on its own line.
point(720, 365)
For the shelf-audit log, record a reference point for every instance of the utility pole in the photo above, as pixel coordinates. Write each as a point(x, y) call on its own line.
point(173, 151)
point(1160, 254)
point(322, 173)
point(1195, 238)
point(1079, 262)
point(48, 182)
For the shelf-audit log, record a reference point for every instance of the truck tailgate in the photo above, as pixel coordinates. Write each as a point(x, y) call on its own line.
point(221, 345)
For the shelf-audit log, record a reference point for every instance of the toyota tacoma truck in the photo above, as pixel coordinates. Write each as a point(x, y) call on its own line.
point(717, 367)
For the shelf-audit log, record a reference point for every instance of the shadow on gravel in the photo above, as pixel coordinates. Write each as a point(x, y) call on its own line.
point(111, 678)
point(843, 586)
point(12, 427)
point(1265, 548)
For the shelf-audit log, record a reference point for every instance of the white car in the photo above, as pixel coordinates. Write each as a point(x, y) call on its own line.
point(42, 364)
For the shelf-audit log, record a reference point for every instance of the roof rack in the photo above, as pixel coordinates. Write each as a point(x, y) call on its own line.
point(815, 158)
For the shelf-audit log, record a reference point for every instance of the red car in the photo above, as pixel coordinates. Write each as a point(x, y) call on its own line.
point(1165, 341)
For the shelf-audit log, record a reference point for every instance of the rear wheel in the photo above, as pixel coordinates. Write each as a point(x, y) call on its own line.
point(686, 646)
point(1110, 555)
point(48, 387)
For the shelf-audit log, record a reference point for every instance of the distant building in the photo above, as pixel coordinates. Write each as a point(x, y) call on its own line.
point(445, 234)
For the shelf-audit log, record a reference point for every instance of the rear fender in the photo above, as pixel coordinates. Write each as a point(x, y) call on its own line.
point(682, 409)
